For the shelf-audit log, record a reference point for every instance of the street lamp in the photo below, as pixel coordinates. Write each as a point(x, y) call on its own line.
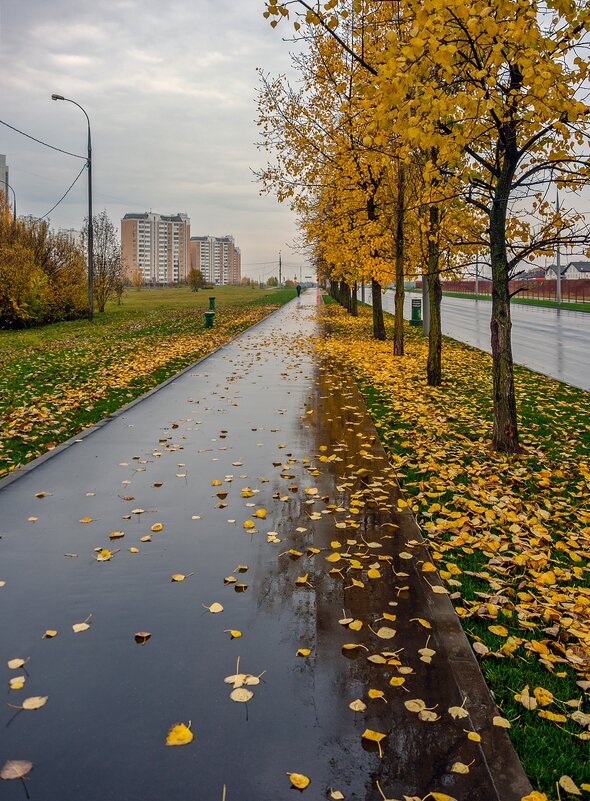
point(90, 226)
point(14, 197)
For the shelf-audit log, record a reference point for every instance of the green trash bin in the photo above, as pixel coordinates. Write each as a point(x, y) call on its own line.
point(209, 317)
point(211, 303)
point(416, 318)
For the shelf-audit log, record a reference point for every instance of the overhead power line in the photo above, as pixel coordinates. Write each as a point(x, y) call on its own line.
point(64, 194)
point(40, 141)
point(258, 263)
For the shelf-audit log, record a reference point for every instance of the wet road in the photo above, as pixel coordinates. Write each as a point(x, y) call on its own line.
point(555, 342)
point(278, 432)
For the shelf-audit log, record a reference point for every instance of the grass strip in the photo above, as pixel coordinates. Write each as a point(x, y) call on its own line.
point(510, 534)
point(551, 304)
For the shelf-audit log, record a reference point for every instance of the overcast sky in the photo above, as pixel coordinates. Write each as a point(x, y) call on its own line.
point(170, 91)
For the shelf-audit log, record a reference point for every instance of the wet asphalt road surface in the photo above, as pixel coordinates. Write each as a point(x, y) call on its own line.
point(284, 434)
point(555, 342)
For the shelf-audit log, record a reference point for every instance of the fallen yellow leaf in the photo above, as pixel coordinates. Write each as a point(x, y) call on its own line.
point(299, 781)
point(179, 734)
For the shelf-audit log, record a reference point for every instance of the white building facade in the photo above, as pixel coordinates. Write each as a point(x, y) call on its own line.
point(154, 247)
point(218, 258)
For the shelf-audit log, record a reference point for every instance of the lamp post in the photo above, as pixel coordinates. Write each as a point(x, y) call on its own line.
point(557, 257)
point(14, 199)
point(90, 226)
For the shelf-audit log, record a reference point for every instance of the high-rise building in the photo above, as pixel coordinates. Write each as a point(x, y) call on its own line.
point(154, 247)
point(4, 180)
point(218, 258)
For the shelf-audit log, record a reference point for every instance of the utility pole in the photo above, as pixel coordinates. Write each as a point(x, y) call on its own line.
point(476, 274)
point(558, 258)
point(280, 267)
point(90, 220)
point(14, 199)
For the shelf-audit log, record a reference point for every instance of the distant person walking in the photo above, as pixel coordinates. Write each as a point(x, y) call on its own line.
point(298, 290)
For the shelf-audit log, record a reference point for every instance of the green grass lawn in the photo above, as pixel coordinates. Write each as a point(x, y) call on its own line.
point(57, 379)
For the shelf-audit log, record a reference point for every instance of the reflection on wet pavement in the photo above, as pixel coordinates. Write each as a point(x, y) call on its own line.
point(259, 467)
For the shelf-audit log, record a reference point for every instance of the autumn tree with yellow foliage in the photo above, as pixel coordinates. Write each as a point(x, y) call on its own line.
point(341, 189)
point(497, 89)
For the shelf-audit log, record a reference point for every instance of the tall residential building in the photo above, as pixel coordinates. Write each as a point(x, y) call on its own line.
point(155, 247)
point(218, 258)
point(4, 175)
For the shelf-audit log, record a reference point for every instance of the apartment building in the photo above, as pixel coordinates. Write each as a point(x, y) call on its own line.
point(155, 247)
point(4, 179)
point(218, 258)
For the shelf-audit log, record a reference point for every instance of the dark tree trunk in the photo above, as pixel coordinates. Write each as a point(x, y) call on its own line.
point(345, 295)
point(354, 308)
point(378, 321)
point(433, 367)
point(505, 433)
point(398, 331)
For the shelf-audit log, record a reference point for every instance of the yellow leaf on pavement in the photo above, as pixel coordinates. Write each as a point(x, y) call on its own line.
point(374, 737)
point(35, 702)
point(241, 695)
point(14, 664)
point(385, 633)
point(179, 734)
point(15, 769)
point(215, 608)
point(299, 781)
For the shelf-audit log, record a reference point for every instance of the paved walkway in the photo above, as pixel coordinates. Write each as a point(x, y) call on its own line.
point(280, 433)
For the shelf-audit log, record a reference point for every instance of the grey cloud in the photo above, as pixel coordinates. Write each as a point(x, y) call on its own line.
point(170, 93)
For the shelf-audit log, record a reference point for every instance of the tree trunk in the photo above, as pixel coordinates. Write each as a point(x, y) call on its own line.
point(354, 308)
point(398, 331)
point(433, 367)
point(344, 295)
point(378, 322)
point(505, 434)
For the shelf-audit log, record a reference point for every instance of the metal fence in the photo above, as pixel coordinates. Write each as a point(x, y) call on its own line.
point(574, 291)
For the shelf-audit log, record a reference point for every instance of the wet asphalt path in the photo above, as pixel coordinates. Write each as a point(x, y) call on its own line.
point(259, 415)
point(555, 342)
